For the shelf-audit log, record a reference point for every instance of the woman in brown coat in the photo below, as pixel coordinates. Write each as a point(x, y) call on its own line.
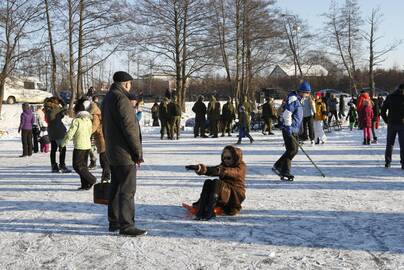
point(99, 141)
point(227, 192)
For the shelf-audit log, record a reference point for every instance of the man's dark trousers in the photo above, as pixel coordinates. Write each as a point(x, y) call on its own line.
point(121, 209)
point(392, 131)
point(284, 163)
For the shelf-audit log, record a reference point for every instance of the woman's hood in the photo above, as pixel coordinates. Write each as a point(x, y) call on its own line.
point(237, 154)
point(83, 115)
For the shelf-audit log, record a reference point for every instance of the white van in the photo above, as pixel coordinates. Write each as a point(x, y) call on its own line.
point(28, 89)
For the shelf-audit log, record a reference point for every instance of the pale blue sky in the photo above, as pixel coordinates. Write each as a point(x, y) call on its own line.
point(392, 27)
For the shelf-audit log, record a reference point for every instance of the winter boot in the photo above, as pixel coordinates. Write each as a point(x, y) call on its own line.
point(387, 165)
point(239, 141)
point(202, 200)
point(55, 168)
point(64, 169)
point(132, 232)
point(368, 141)
point(206, 207)
point(92, 165)
point(374, 140)
point(211, 200)
point(318, 141)
point(364, 141)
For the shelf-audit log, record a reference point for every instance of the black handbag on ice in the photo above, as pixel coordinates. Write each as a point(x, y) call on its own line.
point(102, 192)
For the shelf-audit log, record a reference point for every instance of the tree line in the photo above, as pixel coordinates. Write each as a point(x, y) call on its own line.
point(75, 43)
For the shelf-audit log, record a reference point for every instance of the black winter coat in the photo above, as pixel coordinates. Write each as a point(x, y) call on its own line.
point(267, 110)
point(199, 109)
point(394, 105)
point(228, 112)
point(121, 128)
point(54, 115)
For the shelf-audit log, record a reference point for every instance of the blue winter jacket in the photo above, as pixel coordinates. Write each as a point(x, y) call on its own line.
point(292, 115)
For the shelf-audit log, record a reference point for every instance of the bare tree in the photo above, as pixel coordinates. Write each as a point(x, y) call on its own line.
point(376, 56)
point(96, 30)
point(175, 32)
point(52, 47)
point(343, 31)
point(298, 41)
point(19, 21)
point(246, 40)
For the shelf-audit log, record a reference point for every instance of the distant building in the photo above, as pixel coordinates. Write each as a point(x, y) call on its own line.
point(284, 71)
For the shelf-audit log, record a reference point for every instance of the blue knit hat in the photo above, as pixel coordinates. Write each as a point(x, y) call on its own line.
point(305, 87)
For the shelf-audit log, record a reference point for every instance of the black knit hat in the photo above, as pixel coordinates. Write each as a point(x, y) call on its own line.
point(122, 76)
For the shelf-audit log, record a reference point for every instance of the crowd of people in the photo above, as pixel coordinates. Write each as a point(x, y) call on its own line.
point(114, 130)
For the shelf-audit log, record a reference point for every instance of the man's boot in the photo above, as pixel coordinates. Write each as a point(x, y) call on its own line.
point(55, 168)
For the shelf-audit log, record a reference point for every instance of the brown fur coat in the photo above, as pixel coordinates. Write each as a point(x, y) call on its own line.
point(232, 181)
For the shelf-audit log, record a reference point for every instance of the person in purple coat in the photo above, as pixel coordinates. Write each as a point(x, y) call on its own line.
point(26, 122)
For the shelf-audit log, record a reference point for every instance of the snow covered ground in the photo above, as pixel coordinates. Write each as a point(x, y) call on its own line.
point(352, 219)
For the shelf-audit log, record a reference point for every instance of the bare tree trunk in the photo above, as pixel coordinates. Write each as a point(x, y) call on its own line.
point(52, 49)
point(243, 54)
point(177, 52)
point(237, 95)
point(184, 55)
point(71, 56)
point(80, 50)
point(371, 57)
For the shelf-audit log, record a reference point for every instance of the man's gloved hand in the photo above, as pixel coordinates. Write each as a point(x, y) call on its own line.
point(192, 167)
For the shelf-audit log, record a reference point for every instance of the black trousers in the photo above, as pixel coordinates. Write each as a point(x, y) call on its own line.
point(106, 171)
point(226, 126)
point(333, 113)
point(392, 131)
point(199, 128)
point(284, 163)
point(121, 209)
point(35, 137)
point(80, 158)
point(62, 154)
point(308, 126)
point(26, 139)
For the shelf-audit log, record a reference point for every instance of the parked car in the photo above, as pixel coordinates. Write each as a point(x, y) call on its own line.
point(335, 92)
point(24, 89)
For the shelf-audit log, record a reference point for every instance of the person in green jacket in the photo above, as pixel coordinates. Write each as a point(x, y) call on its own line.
point(163, 116)
point(174, 118)
point(213, 116)
point(80, 132)
point(267, 115)
point(228, 115)
point(247, 111)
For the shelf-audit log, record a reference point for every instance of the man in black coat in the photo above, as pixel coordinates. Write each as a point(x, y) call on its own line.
point(124, 151)
point(393, 115)
point(199, 109)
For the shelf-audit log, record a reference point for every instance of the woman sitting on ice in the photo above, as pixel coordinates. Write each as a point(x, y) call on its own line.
point(227, 192)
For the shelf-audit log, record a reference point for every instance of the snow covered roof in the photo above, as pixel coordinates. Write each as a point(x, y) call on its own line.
point(289, 70)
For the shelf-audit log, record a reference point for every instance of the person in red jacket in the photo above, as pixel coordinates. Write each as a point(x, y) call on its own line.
point(366, 117)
